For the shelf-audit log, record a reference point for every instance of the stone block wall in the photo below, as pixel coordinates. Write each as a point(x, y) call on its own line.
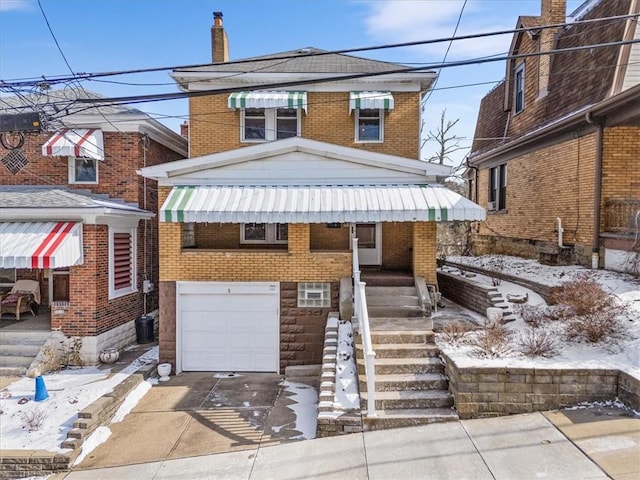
point(496, 391)
point(470, 294)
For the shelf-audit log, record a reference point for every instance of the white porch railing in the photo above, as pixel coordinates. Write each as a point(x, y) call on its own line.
point(361, 313)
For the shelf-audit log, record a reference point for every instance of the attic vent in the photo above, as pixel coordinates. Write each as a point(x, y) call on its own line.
point(304, 50)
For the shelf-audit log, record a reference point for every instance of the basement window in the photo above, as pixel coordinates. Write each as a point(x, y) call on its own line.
point(312, 294)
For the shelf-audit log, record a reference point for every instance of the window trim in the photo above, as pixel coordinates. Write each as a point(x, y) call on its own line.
point(321, 288)
point(270, 125)
point(517, 93)
point(72, 171)
point(380, 126)
point(271, 234)
point(113, 292)
point(498, 187)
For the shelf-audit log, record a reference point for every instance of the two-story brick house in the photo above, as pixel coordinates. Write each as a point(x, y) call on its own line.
point(556, 154)
point(76, 217)
point(299, 152)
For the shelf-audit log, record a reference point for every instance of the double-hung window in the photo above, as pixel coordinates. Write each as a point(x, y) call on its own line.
point(370, 108)
point(267, 124)
point(122, 261)
point(518, 90)
point(498, 188)
point(264, 233)
point(369, 125)
point(83, 170)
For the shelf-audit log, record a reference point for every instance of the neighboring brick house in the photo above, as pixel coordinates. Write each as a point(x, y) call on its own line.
point(556, 154)
point(76, 217)
point(256, 226)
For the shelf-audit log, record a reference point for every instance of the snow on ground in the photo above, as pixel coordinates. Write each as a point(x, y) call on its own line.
point(305, 408)
point(70, 391)
point(347, 396)
point(624, 355)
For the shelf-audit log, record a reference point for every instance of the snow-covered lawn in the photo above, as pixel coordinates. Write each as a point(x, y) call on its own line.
point(70, 391)
point(623, 354)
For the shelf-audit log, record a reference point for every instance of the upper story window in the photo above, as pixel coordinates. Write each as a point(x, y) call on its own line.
point(267, 116)
point(264, 233)
point(518, 90)
point(370, 108)
point(83, 170)
point(369, 125)
point(122, 264)
point(497, 188)
point(267, 124)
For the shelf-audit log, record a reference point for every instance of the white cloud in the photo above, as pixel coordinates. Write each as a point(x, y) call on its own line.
point(7, 5)
point(393, 21)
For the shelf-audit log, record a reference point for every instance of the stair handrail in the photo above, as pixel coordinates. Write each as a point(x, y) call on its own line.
point(361, 312)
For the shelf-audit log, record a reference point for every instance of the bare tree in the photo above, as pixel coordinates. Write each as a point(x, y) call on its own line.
point(446, 140)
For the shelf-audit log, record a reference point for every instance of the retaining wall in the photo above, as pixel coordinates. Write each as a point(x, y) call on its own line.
point(496, 391)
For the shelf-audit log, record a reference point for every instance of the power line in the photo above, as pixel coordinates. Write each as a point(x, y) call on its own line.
point(444, 59)
point(178, 95)
point(85, 76)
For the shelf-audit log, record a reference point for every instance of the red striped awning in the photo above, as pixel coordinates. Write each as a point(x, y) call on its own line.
point(75, 143)
point(40, 244)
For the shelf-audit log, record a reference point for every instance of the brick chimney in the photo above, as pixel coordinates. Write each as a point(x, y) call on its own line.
point(551, 12)
point(184, 129)
point(219, 40)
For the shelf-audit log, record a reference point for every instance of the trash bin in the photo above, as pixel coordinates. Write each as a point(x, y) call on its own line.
point(144, 329)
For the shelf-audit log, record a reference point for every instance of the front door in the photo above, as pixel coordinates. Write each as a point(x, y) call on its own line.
point(369, 237)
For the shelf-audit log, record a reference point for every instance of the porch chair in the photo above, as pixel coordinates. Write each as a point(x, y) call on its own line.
point(23, 297)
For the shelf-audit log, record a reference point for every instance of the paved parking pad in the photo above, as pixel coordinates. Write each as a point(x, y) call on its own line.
point(197, 414)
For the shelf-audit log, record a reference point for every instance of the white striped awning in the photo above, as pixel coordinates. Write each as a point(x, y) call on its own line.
point(40, 244)
point(75, 143)
point(374, 100)
point(268, 100)
point(317, 204)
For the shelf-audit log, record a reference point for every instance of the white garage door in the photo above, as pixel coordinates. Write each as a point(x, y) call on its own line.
point(228, 326)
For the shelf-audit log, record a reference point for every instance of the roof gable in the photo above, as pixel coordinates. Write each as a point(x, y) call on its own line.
point(295, 161)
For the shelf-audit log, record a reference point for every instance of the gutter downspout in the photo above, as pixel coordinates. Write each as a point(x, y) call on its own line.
point(475, 180)
point(597, 191)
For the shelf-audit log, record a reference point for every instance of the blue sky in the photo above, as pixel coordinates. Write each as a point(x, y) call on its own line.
point(114, 35)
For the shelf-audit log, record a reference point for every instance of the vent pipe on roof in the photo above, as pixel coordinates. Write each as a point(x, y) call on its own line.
point(219, 40)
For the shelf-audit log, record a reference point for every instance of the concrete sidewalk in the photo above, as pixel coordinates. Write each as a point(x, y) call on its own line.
point(516, 447)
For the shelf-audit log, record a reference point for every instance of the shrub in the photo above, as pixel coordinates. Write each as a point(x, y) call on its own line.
point(454, 333)
point(582, 295)
point(535, 342)
point(34, 418)
point(597, 326)
point(532, 315)
point(590, 313)
point(494, 340)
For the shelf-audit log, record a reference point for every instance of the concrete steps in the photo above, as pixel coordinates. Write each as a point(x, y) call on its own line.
point(18, 349)
point(406, 381)
point(409, 399)
point(409, 417)
point(409, 350)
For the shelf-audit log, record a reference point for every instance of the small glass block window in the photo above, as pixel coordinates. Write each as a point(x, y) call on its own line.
point(313, 294)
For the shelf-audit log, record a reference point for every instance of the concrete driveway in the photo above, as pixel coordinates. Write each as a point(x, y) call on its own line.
point(205, 413)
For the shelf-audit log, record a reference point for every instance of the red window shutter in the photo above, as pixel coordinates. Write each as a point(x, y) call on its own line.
point(121, 260)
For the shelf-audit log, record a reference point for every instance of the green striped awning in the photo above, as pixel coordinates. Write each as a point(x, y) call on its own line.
point(268, 100)
point(374, 100)
point(316, 204)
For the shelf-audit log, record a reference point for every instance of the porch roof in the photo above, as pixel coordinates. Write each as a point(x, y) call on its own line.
point(40, 244)
point(317, 204)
